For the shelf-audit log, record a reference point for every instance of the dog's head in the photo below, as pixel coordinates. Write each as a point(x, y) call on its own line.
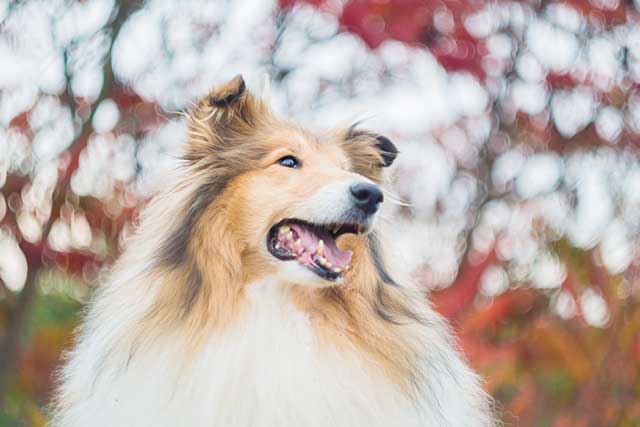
point(292, 200)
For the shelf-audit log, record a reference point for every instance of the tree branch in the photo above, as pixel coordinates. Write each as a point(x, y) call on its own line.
point(19, 316)
point(16, 322)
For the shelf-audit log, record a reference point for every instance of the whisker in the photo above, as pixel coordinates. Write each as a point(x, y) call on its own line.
point(163, 113)
point(395, 198)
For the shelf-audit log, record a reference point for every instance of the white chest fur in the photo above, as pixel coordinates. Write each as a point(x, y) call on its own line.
point(266, 371)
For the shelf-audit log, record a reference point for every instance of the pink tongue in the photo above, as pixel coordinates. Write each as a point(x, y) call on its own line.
point(310, 242)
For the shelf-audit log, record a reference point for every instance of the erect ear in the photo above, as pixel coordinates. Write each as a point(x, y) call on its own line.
point(231, 104)
point(227, 114)
point(368, 152)
point(383, 146)
point(388, 151)
point(228, 93)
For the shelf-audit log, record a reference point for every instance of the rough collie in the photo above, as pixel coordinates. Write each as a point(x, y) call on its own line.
point(257, 292)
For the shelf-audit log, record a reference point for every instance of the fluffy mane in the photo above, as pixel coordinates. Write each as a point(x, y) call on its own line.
point(188, 272)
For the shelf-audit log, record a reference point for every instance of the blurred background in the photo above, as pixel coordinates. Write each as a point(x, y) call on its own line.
point(518, 124)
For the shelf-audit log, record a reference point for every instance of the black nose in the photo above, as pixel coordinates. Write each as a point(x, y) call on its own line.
point(366, 197)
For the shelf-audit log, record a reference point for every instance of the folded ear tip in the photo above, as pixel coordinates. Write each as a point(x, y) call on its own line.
point(387, 149)
point(385, 144)
point(229, 92)
point(238, 81)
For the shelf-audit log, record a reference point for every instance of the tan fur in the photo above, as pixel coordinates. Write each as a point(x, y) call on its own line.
point(359, 147)
point(235, 139)
point(346, 316)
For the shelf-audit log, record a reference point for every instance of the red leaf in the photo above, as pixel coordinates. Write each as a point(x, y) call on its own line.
point(457, 298)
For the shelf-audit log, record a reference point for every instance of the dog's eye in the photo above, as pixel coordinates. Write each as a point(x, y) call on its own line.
point(288, 162)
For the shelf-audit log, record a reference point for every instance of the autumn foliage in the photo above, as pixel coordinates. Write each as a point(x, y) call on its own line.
point(566, 355)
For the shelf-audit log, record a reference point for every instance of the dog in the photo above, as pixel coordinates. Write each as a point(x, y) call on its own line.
point(256, 291)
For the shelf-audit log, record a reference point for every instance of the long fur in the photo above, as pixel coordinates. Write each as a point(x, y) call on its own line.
point(198, 326)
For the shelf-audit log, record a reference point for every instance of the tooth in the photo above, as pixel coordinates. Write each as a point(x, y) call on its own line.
point(284, 229)
point(289, 235)
point(323, 262)
point(278, 245)
point(336, 270)
point(320, 249)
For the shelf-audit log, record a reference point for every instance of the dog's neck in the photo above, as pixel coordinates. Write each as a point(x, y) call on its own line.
point(208, 293)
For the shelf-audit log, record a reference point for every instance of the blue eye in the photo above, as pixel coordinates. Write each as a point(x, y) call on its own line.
point(288, 162)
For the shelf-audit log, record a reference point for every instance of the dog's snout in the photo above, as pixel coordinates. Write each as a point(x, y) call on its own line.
point(367, 197)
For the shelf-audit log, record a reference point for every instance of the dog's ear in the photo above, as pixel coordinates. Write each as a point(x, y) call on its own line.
point(231, 104)
point(221, 118)
point(368, 152)
point(388, 151)
point(228, 94)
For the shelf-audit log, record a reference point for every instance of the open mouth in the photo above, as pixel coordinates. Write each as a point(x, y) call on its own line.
point(312, 245)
